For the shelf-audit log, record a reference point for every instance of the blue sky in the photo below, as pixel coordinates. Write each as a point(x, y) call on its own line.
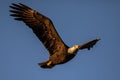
point(77, 21)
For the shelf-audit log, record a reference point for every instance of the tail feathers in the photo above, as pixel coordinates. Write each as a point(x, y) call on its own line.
point(45, 65)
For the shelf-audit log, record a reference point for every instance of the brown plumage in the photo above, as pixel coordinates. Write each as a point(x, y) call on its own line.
point(44, 29)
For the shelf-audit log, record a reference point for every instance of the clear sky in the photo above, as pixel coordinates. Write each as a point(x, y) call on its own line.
point(77, 21)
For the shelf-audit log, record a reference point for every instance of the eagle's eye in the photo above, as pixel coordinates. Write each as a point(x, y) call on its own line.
point(76, 46)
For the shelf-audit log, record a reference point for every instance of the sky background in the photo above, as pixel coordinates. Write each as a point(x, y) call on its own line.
point(77, 21)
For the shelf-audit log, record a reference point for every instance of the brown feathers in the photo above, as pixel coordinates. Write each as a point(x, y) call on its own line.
point(44, 29)
point(40, 24)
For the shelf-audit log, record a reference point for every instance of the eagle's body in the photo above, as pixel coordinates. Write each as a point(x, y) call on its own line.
point(64, 55)
point(44, 29)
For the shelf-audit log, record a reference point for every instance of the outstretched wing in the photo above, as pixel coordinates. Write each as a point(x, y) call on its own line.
point(41, 25)
point(89, 44)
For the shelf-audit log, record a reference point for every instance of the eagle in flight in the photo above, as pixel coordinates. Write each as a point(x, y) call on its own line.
point(44, 29)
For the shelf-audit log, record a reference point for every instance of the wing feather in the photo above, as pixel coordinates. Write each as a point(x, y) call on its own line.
point(41, 25)
point(89, 44)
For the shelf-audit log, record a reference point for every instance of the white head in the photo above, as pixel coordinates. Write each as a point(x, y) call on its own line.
point(73, 49)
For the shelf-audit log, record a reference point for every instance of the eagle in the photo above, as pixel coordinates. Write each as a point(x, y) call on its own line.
point(43, 28)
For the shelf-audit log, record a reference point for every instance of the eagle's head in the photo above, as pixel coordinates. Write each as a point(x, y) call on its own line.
point(73, 50)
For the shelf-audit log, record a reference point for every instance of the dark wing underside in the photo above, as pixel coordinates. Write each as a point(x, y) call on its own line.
point(41, 25)
point(89, 44)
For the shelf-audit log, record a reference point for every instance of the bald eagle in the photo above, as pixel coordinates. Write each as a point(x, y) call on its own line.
point(44, 29)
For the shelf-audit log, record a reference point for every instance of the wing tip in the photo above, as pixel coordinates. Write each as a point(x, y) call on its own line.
point(90, 44)
point(98, 38)
point(18, 5)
